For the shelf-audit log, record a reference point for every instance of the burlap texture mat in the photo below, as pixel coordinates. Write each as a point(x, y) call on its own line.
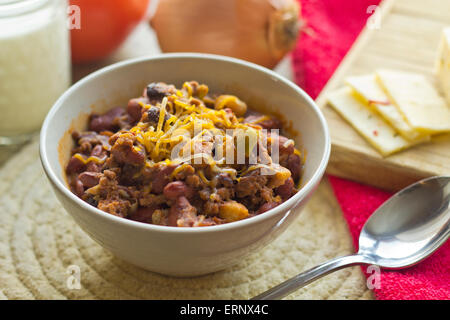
point(42, 250)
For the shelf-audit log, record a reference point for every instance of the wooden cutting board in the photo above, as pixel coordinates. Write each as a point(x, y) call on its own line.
point(404, 35)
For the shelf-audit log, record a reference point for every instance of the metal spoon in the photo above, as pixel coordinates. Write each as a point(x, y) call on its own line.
point(406, 229)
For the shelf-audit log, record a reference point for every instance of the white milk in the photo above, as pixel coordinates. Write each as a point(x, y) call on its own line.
point(34, 63)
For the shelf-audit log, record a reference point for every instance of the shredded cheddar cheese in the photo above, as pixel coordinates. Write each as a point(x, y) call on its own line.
point(185, 120)
point(89, 159)
point(202, 176)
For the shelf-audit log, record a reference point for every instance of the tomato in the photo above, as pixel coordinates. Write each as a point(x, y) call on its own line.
point(105, 24)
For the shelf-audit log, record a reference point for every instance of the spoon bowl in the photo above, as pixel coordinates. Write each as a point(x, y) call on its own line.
point(409, 226)
point(405, 230)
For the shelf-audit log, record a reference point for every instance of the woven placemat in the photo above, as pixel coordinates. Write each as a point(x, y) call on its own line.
point(43, 252)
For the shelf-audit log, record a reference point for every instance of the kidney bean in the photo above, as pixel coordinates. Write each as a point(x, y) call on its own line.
point(75, 165)
point(286, 190)
point(161, 178)
point(134, 109)
point(98, 151)
point(182, 209)
point(267, 206)
point(89, 179)
point(142, 214)
point(107, 121)
point(78, 187)
point(294, 164)
point(90, 137)
point(93, 167)
point(282, 140)
point(176, 189)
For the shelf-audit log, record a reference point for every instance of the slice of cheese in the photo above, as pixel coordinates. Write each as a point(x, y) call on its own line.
point(416, 99)
point(367, 89)
point(443, 64)
point(367, 122)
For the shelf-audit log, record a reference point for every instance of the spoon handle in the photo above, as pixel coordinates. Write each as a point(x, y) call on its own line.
point(289, 286)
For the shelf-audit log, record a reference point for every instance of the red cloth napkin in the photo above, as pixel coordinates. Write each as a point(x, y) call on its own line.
point(331, 28)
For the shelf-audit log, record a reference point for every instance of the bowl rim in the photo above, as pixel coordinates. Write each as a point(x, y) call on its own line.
point(283, 207)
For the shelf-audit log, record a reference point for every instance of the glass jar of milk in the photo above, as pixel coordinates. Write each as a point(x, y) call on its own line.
point(34, 64)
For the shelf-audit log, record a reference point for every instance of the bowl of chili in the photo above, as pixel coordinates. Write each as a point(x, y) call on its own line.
point(112, 146)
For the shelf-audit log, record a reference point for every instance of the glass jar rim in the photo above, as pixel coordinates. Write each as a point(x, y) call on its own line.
point(11, 8)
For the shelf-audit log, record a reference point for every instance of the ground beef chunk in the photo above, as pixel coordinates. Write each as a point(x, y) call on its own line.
point(250, 185)
point(124, 150)
point(128, 174)
point(266, 194)
point(205, 194)
point(114, 199)
point(115, 207)
point(211, 208)
point(147, 199)
point(225, 193)
point(193, 181)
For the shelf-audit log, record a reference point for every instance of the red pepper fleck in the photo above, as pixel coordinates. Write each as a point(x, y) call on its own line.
point(375, 133)
point(384, 103)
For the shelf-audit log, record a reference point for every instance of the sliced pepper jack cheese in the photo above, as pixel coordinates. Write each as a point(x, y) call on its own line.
point(367, 122)
point(416, 99)
point(367, 89)
point(443, 63)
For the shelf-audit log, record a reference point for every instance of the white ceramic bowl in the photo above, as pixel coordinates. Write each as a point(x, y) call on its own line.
point(170, 250)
